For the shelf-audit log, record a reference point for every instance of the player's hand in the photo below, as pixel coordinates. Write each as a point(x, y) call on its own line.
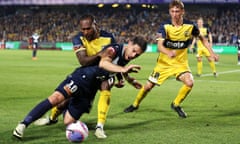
point(216, 57)
point(171, 54)
point(120, 84)
point(132, 68)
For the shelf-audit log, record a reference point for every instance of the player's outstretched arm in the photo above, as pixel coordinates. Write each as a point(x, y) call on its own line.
point(107, 57)
point(109, 66)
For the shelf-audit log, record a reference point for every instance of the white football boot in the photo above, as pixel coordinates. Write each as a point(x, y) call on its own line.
point(19, 130)
point(99, 133)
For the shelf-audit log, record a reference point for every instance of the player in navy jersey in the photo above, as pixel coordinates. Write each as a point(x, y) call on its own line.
point(81, 85)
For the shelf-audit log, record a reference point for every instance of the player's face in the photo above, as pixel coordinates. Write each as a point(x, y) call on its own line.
point(88, 29)
point(200, 23)
point(176, 13)
point(132, 51)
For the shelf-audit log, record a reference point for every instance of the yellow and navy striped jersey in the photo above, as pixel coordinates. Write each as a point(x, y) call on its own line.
point(177, 39)
point(204, 31)
point(94, 46)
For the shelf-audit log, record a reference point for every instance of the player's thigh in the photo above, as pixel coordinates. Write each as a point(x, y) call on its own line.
point(76, 108)
point(56, 98)
point(206, 52)
point(199, 54)
point(108, 84)
point(68, 118)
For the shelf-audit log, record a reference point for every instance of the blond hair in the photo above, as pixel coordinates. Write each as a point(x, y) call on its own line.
point(176, 3)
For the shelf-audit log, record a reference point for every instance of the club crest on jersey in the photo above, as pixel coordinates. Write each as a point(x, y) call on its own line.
point(186, 34)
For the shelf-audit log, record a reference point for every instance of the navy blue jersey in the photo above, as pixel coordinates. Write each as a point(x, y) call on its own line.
point(84, 81)
point(119, 54)
point(82, 84)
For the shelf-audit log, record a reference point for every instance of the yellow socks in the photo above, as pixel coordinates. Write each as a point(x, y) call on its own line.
point(55, 113)
point(199, 67)
point(140, 96)
point(182, 94)
point(103, 106)
point(213, 67)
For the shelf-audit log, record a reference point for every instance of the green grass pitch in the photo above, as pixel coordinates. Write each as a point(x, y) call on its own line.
point(213, 106)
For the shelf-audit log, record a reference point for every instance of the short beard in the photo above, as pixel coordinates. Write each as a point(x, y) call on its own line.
point(94, 36)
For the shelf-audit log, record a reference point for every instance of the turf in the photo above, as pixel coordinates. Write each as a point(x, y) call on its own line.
point(212, 106)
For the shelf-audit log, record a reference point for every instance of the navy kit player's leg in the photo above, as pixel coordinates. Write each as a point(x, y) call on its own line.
point(37, 112)
point(66, 89)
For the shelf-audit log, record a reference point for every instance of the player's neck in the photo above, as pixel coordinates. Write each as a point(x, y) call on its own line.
point(177, 23)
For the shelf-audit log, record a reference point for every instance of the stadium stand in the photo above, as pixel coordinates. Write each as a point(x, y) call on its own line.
point(59, 23)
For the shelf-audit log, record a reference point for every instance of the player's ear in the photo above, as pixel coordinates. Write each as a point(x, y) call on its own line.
point(95, 25)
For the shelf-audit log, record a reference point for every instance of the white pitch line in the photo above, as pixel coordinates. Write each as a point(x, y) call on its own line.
point(218, 81)
point(224, 72)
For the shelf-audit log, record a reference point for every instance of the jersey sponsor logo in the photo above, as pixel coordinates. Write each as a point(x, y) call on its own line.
point(176, 44)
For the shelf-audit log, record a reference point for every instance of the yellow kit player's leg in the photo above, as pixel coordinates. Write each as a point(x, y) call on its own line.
point(103, 107)
point(182, 94)
point(199, 68)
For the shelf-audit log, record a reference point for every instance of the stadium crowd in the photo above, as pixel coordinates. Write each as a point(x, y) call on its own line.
point(60, 23)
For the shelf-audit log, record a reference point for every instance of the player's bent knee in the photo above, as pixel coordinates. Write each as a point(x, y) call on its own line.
point(189, 84)
point(56, 98)
point(68, 119)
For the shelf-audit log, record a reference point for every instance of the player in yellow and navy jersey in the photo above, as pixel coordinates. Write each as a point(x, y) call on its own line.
point(87, 44)
point(202, 50)
point(174, 37)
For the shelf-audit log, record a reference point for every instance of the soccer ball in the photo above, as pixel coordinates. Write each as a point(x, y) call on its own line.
point(77, 132)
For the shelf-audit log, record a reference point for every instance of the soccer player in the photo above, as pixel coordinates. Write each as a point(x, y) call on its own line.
point(86, 45)
point(35, 38)
point(202, 50)
point(238, 49)
point(81, 85)
point(174, 37)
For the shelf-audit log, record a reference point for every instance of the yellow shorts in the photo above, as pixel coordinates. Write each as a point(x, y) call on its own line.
point(203, 52)
point(160, 73)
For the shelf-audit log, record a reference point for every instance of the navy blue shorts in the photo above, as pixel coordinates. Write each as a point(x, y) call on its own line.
point(81, 87)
